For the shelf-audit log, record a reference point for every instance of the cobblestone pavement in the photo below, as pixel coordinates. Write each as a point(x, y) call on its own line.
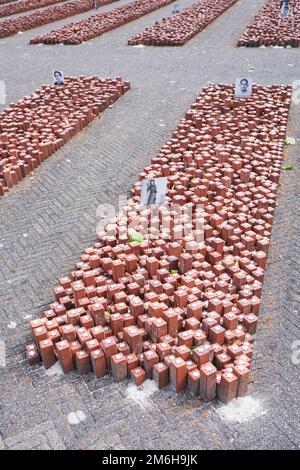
point(50, 218)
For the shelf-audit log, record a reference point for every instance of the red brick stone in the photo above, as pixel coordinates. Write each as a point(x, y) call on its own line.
point(186, 337)
point(178, 374)
point(194, 382)
point(133, 337)
point(32, 354)
point(208, 387)
point(98, 362)
point(83, 363)
point(201, 355)
point(250, 321)
point(217, 334)
point(171, 317)
point(158, 328)
point(242, 373)
point(119, 367)
point(132, 362)
point(47, 352)
point(150, 358)
point(68, 332)
point(228, 387)
point(65, 355)
point(160, 374)
point(138, 375)
point(183, 351)
point(163, 349)
point(109, 348)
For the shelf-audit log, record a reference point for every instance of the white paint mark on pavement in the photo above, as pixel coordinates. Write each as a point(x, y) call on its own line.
point(242, 410)
point(76, 417)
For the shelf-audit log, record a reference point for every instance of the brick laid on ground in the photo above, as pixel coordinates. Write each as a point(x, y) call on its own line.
point(12, 26)
point(178, 29)
point(3, 2)
point(20, 7)
point(195, 295)
point(35, 127)
point(84, 30)
point(270, 28)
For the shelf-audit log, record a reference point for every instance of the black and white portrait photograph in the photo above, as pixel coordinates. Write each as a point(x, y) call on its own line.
point(243, 88)
point(284, 8)
point(153, 191)
point(58, 78)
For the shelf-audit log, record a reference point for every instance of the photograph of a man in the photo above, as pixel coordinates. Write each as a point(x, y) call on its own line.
point(153, 191)
point(284, 8)
point(243, 88)
point(58, 78)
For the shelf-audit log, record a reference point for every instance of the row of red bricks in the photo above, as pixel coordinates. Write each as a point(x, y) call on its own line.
point(25, 5)
point(93, 351)
point(2, 2)
point(36, 126)
point(178, 29)
point(11, 26)
point(96, 25)
point(174, 307)
point(92, 340)
point(270, 28)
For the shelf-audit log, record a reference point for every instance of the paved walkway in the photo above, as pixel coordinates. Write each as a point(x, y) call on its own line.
point(48, 220)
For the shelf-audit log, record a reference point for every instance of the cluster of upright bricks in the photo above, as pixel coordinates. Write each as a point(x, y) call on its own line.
point(25, 5)
point(178, 29)
point(96, 25)
point(270, 28)
point(11, 26)
point(2, 2)
point(36, 126)
point(175, 308)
